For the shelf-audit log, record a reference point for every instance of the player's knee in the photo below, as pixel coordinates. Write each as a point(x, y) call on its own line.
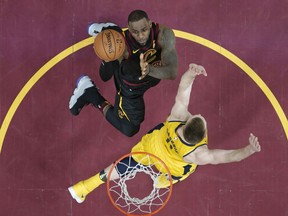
point(130, 131)
point(107, 69)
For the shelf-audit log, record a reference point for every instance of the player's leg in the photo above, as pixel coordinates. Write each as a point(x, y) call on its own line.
point(121, 123)
point(107, 69)
point(80, 190)
point(95, 28)
point(86, 93)
point(121, 119)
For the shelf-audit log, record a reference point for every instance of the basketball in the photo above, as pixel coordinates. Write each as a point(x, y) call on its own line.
point(109, 45)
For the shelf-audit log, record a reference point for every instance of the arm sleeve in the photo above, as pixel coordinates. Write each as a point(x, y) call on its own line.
point(107, 69)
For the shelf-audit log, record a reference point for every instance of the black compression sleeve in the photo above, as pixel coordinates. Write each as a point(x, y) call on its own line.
point(107, 69)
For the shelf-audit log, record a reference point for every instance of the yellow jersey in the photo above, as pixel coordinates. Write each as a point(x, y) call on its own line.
point(164, 142)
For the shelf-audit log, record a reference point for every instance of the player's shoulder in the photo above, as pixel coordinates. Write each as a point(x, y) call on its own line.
point(165, 35)
point(164, 27)
point(165, 30)
point(179, 116)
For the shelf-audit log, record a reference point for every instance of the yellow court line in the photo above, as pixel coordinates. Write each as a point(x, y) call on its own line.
point(245, 68)
point(41, 72)
point(35, 79)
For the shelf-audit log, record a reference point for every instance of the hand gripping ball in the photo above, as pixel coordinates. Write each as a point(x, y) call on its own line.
point(109, 45)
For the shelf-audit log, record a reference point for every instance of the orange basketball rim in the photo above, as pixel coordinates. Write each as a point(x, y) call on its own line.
point(120, 190)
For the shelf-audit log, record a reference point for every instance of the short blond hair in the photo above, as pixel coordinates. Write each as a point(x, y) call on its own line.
point(194, 131)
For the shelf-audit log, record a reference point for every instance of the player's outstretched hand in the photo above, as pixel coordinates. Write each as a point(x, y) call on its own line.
point(144, 67)
point(197, 70)
point(254, 143)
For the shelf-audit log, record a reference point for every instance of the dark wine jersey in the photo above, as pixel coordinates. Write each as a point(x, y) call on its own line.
point(130, 70)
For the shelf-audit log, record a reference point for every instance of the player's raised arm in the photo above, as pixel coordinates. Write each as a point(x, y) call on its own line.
point(180, 108)
point(203, 155)
point(169, 59)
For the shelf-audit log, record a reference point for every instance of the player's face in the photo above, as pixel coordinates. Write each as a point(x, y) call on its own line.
point(140, 30)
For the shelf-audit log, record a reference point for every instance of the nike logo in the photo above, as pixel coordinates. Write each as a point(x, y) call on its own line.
point(135, 51)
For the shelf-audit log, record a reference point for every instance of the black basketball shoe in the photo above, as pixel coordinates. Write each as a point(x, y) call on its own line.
point(85, 93)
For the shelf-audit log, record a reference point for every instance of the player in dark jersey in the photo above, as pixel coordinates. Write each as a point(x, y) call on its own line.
point(150, 56)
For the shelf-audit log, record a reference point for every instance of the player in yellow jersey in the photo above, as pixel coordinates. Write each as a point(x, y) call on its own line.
point(181, 142)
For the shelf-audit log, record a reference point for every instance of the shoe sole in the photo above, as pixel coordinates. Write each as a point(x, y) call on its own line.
point(82, 83)
point(93, 31)
point(74, 195)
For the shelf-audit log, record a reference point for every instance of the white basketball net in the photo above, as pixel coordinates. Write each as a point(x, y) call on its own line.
point(156, 198)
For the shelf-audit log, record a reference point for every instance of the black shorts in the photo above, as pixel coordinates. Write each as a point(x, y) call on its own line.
point(132, 109)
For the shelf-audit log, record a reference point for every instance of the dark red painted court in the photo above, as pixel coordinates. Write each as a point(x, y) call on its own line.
point(45, 149)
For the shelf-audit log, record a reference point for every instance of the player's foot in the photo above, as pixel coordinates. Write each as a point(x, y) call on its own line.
point(79, 98)
point(95, 28)
point(162, 181)
point(78, 192)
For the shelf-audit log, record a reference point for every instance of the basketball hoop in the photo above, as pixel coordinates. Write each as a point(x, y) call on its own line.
point(130, 194)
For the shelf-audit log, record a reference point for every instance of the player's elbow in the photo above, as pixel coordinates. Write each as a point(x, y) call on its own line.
point(173, 76)
point(173, 73)
point(174, 70)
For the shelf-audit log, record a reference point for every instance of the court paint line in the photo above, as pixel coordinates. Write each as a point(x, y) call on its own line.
point(241, 64)
point(184, 35)
point(27, 87)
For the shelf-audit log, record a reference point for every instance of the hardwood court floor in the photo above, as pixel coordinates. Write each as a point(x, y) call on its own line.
point(44, 149)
